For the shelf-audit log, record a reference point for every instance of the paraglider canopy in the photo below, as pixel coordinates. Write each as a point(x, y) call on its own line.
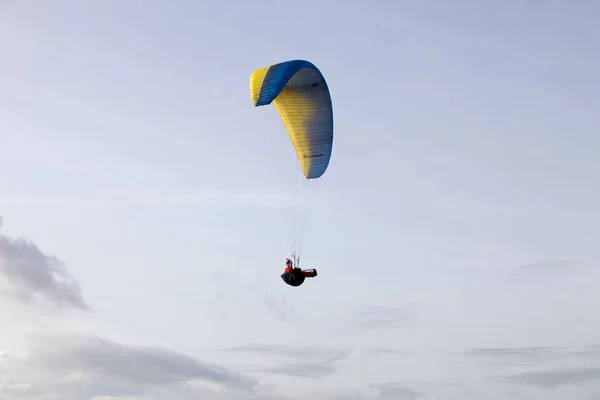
point(301, 96)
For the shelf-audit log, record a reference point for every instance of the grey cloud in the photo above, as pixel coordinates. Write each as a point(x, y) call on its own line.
point(30, 273)
point(69, 367)
point(310, 362)
point(278, 306)
point(376, 354)
point(181, 392)
point(134, 365)
point(551, 379)
point(379, 317)
point(317, 353)
point(518, 355)
point(396, 391)
point(561, 272)
point(386, 351)
point(514, 394)
point(313, 361)
point(590, 352)
point(555, 265)
point(544, 356)
point(304, 370)
point(192, 392)
point(385, 391)
point(513, 351)
point(349, 396)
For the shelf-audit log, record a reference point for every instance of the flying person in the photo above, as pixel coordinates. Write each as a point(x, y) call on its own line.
point(295, 276)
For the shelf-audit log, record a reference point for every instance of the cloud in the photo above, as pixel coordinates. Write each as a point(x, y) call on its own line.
point(551, 379)
point(518, 355)
point(316, 353)
point(556, 265)
point(514, 394)
point(562, 366)
point(383, 391)
point(307, 362)
point(28, 273)
point(559, 272)
point(136, 365)
point(521, 356)
point(304, 370)
point(72, 366)
point(379, 317)
point(379, 351)
point(311, 361)
point(356, 395)
point(278, 306)
point(590, 352)
point(396, 391)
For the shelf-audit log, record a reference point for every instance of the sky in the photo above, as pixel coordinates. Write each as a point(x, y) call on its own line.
point(455, 232)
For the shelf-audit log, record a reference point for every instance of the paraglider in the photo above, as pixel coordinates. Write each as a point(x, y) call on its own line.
point(301, 97)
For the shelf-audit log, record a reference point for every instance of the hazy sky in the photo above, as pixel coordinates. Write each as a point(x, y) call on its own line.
point(455, 232)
